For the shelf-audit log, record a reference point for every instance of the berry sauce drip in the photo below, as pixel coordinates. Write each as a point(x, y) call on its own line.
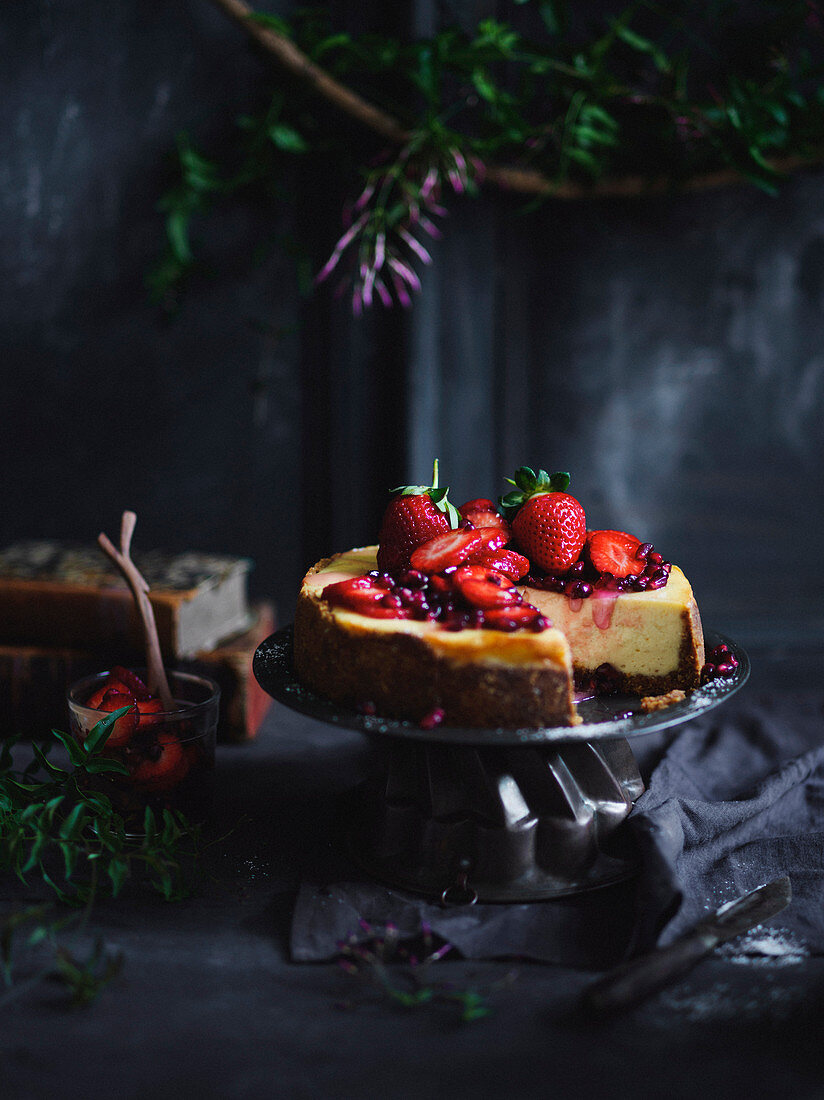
point(583, 578)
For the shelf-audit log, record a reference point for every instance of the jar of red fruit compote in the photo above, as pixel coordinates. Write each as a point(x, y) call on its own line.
point(169, 754)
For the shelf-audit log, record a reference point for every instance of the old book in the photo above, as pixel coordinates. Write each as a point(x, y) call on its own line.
point(34, 679)
point(56, 595)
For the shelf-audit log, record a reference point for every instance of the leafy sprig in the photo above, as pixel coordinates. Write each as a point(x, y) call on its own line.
point(55, 826)
point(542, 105)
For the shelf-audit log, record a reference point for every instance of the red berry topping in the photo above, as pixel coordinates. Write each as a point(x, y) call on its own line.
point(479, 504)
point(614, 552)
point(363, 595)
point(447, 550)
point(489, 519)
point(549, 525)
point(484, 588)
point(493, 538)
point(413, 517)
point(511, 564)
point(521, 616)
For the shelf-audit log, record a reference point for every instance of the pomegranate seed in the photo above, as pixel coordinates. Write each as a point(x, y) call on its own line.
point(655, 558)
point(413, 578)
point(724, 669)
point(644, 550)
point(432, 719)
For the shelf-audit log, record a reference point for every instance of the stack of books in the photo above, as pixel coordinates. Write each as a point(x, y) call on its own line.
point(65, 612)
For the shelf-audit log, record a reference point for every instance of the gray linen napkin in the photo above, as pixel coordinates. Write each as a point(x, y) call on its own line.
point(733, 800)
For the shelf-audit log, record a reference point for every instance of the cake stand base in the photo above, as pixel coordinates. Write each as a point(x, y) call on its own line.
point(498, 824)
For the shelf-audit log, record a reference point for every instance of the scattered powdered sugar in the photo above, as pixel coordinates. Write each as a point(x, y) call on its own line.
point(765, 946)
point(255, 869)
point(721, 1002)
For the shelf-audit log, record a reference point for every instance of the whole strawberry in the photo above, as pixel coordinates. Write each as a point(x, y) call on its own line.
point(548, 524)
point(417, 514)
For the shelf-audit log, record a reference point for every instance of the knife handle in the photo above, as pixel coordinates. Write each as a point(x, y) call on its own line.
point(638, 978)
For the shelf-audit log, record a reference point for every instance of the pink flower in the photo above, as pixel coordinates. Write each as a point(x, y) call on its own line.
point(415, 246)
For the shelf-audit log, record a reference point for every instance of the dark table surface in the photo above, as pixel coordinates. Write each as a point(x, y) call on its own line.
point(209, 1004)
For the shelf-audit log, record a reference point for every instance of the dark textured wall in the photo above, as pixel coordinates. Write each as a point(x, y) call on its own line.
point(667, 351)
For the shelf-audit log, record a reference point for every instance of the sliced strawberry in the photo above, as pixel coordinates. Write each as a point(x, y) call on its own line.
point(484, 588)
point(163, 765)
point(124, 727)
point(479, 504)
point(508, 562)
point(148, 710)
point(522, 616)
point(441, 585)
point(614, 552)
point(490, 519)
point(96, 697)
point(360, 594)
point(446, 551)
point(493, 537)
point(121, 675)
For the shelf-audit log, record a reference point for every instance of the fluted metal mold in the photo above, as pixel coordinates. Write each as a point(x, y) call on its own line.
point(510, 824)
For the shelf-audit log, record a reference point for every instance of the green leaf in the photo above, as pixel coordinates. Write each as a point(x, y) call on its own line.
point(52, 769)
point(70, 854)
point(287, 138)
point(73, 823)
point(484, 86)
point(177, 231)
point(99, 734)
point(77, 753)
point(118, 872)
point(642, 45)
point(106, 765)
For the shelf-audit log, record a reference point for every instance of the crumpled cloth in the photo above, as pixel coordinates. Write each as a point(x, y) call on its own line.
point(733, 800)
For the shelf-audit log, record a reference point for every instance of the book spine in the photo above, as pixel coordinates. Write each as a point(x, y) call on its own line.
point(34, 681)
point(82, 618)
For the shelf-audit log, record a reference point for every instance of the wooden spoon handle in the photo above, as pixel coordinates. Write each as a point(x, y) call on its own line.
point(158, 683)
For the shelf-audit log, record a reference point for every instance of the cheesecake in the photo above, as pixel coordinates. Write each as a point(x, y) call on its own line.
point(648, 643)
point(494, 614)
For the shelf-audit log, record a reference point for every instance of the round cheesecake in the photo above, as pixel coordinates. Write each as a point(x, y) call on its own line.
point(651, 641)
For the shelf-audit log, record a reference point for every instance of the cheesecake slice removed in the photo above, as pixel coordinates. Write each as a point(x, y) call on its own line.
point(651, 641)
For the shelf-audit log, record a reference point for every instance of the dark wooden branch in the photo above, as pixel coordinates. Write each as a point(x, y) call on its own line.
point(523, 181)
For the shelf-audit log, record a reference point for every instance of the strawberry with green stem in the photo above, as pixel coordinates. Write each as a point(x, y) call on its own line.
point(417, 514)
point(548, 524)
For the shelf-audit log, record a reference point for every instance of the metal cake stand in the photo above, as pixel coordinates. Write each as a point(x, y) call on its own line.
point(497, 814)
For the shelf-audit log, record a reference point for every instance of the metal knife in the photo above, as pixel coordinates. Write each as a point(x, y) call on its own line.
point(638, 978)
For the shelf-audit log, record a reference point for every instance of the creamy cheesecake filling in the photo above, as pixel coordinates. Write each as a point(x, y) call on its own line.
point(468, 646)
point(638, 633)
